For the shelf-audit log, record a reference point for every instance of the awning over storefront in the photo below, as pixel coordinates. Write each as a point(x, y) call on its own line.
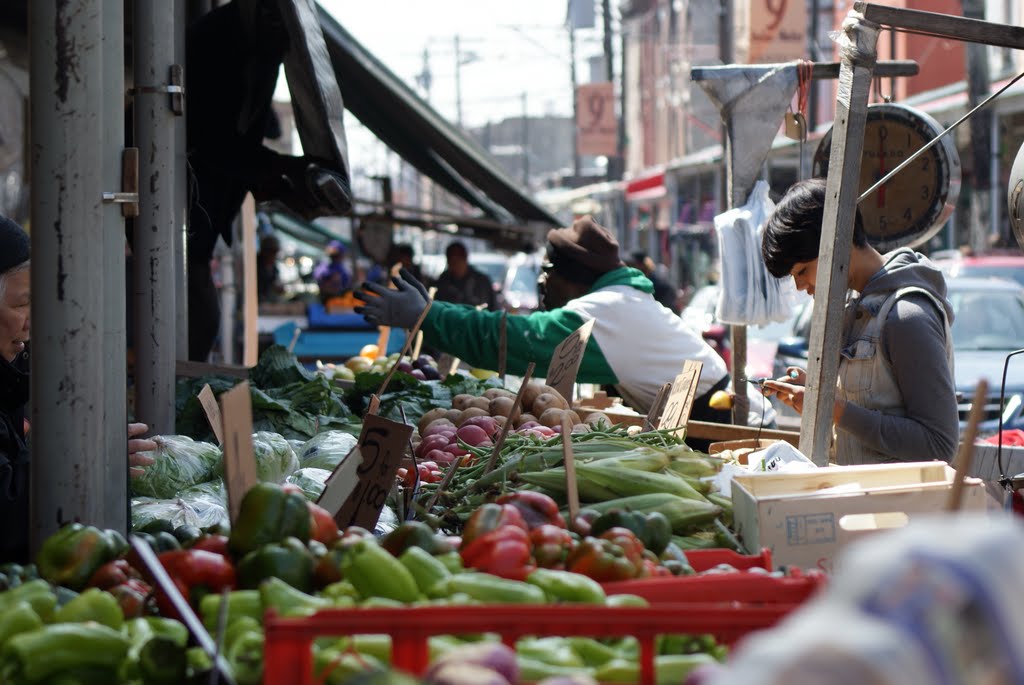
point(410, 127)
point(646, 188)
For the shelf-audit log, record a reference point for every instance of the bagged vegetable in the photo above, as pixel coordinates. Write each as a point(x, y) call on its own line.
point(209, 501)
point(275, 459)
point(326, 450)
point(145, 510)
point(311, 480)
point(178, 463)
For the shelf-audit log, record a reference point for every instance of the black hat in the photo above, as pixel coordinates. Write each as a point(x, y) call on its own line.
point(14, 245)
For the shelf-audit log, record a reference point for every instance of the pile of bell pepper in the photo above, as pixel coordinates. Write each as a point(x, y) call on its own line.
point(524, 530)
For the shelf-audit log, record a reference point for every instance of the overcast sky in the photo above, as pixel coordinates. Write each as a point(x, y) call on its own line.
point(508, 48)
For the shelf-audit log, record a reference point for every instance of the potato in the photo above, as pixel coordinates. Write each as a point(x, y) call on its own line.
point(502, 406)
point(574, 417)
point(453, 415)
point(461, 402)
point(491, 393)
point(597, 419)
point(581, 428)
point(546, 401)
point(530, 394)
point(501, 421)
point(480, 403)
point(551, 417)
point(523, 418)
point(436, 413)
point(470, 412)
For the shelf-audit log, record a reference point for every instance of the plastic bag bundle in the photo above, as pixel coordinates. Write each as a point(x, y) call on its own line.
point(209, 501)
point(275, 459)
point(311, 480)
point(326, 450)
point(749, 294)
point(178, 463)
point(145, 510)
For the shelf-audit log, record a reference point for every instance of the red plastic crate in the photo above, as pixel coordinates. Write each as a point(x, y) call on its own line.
point(706, 559)
point(288, 650)
point(741, 587)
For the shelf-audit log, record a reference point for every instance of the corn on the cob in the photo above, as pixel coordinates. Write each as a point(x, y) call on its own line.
point(684, 514)
point(625, 483)
point(693, 465)
point(554, 480)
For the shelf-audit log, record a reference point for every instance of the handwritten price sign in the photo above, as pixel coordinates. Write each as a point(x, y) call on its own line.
point(565, 361)
point(380, 449)
point(680, 399)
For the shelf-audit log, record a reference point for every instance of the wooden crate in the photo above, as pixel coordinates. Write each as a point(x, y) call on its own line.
point(806, 518)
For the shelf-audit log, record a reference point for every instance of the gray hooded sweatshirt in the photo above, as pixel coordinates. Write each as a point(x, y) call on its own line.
point(896, 370)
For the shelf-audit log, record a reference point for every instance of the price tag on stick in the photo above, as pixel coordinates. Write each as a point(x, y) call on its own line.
point(405, 347)
point(569, 459)
point(516, 404)
point(157, 575)
point(380, 448)
point(212, 409)
point(239, 458)
point(651, 420)
point(446, 365)
point(503, 347)
point(565, 361)
point(680, 399)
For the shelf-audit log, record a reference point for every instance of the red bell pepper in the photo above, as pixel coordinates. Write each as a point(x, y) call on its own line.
point(502, 552)
point(582, 523)
point(537, 508)
point(488, 517)
point(602, 560)
point(628, 541)
point(325, 528)
point(113, 573)
point(132, 596)
point(194, 572)
point(551, 545)
point(218, 544)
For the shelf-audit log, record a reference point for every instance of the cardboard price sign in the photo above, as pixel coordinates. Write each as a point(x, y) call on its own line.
point(239, 457)
point(680, 399)
point(356, 491)
point(212, 409)
point(565, 360)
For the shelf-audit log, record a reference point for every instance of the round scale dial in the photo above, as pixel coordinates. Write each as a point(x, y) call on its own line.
point(914, 204)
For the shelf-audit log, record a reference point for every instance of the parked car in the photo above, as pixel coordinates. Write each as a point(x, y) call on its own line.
point(520, 294)
point(986, 266)
point(988, 324)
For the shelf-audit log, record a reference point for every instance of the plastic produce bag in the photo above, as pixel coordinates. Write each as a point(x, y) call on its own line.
point(275, 459)
point(209, 501)
point(178, 462)
point(311, 480)
point(145, 510)
point(750, 295)
point(326, 450)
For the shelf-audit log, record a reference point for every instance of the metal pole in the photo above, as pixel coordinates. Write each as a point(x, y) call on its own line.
point(115, 372)
point(525, 144)
point(458, 82)
point(68, 468)
point(155, 311)
point(575, 107)
point(180, 172)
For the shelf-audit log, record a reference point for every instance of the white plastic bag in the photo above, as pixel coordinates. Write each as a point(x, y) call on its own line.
point(749, 294)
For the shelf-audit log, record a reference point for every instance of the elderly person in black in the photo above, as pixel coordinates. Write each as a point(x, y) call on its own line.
point(15, 309)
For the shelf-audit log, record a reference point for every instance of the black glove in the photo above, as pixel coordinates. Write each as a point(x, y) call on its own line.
point(396, 308)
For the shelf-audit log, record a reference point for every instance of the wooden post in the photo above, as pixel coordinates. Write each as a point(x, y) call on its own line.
point(858, 53)
point(250, 341)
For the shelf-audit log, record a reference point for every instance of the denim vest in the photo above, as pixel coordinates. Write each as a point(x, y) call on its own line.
point(865, 375)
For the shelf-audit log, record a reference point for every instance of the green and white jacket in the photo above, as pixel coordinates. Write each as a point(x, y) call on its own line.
point(637, 344)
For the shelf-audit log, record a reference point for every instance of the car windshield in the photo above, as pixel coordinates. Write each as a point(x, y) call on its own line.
point(991, 271)
point(493, 269)
point(524, 279)
point(987, 319)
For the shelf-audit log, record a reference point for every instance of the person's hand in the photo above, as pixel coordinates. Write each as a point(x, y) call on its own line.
point(399, 308)
point(795, 375)
point(137, 445)
point(790, 394)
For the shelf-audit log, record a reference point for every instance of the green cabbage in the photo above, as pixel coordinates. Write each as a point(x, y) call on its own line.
point(326, 450)
point(209, 501)
point(275, 458)
point(312, 481)
point(145, 510)
point(179, 462)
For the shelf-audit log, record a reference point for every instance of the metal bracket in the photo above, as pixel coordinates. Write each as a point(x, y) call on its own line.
point(173, 88)
point(128, 196)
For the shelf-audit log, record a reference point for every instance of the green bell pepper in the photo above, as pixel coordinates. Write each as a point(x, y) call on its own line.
point(375, 573)
point(92, 605)
point(269, 514)
point(70, 556)
point(60, 647)
point(288, 560)
point(653, 529)
point(20, 618)
point(563, 586)
point(278, 595)
point(243, 650)
point(425, 568)
point(240, 603)
point(37, 593)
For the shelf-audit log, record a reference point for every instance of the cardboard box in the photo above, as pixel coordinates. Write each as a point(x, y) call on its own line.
point(806, 518)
